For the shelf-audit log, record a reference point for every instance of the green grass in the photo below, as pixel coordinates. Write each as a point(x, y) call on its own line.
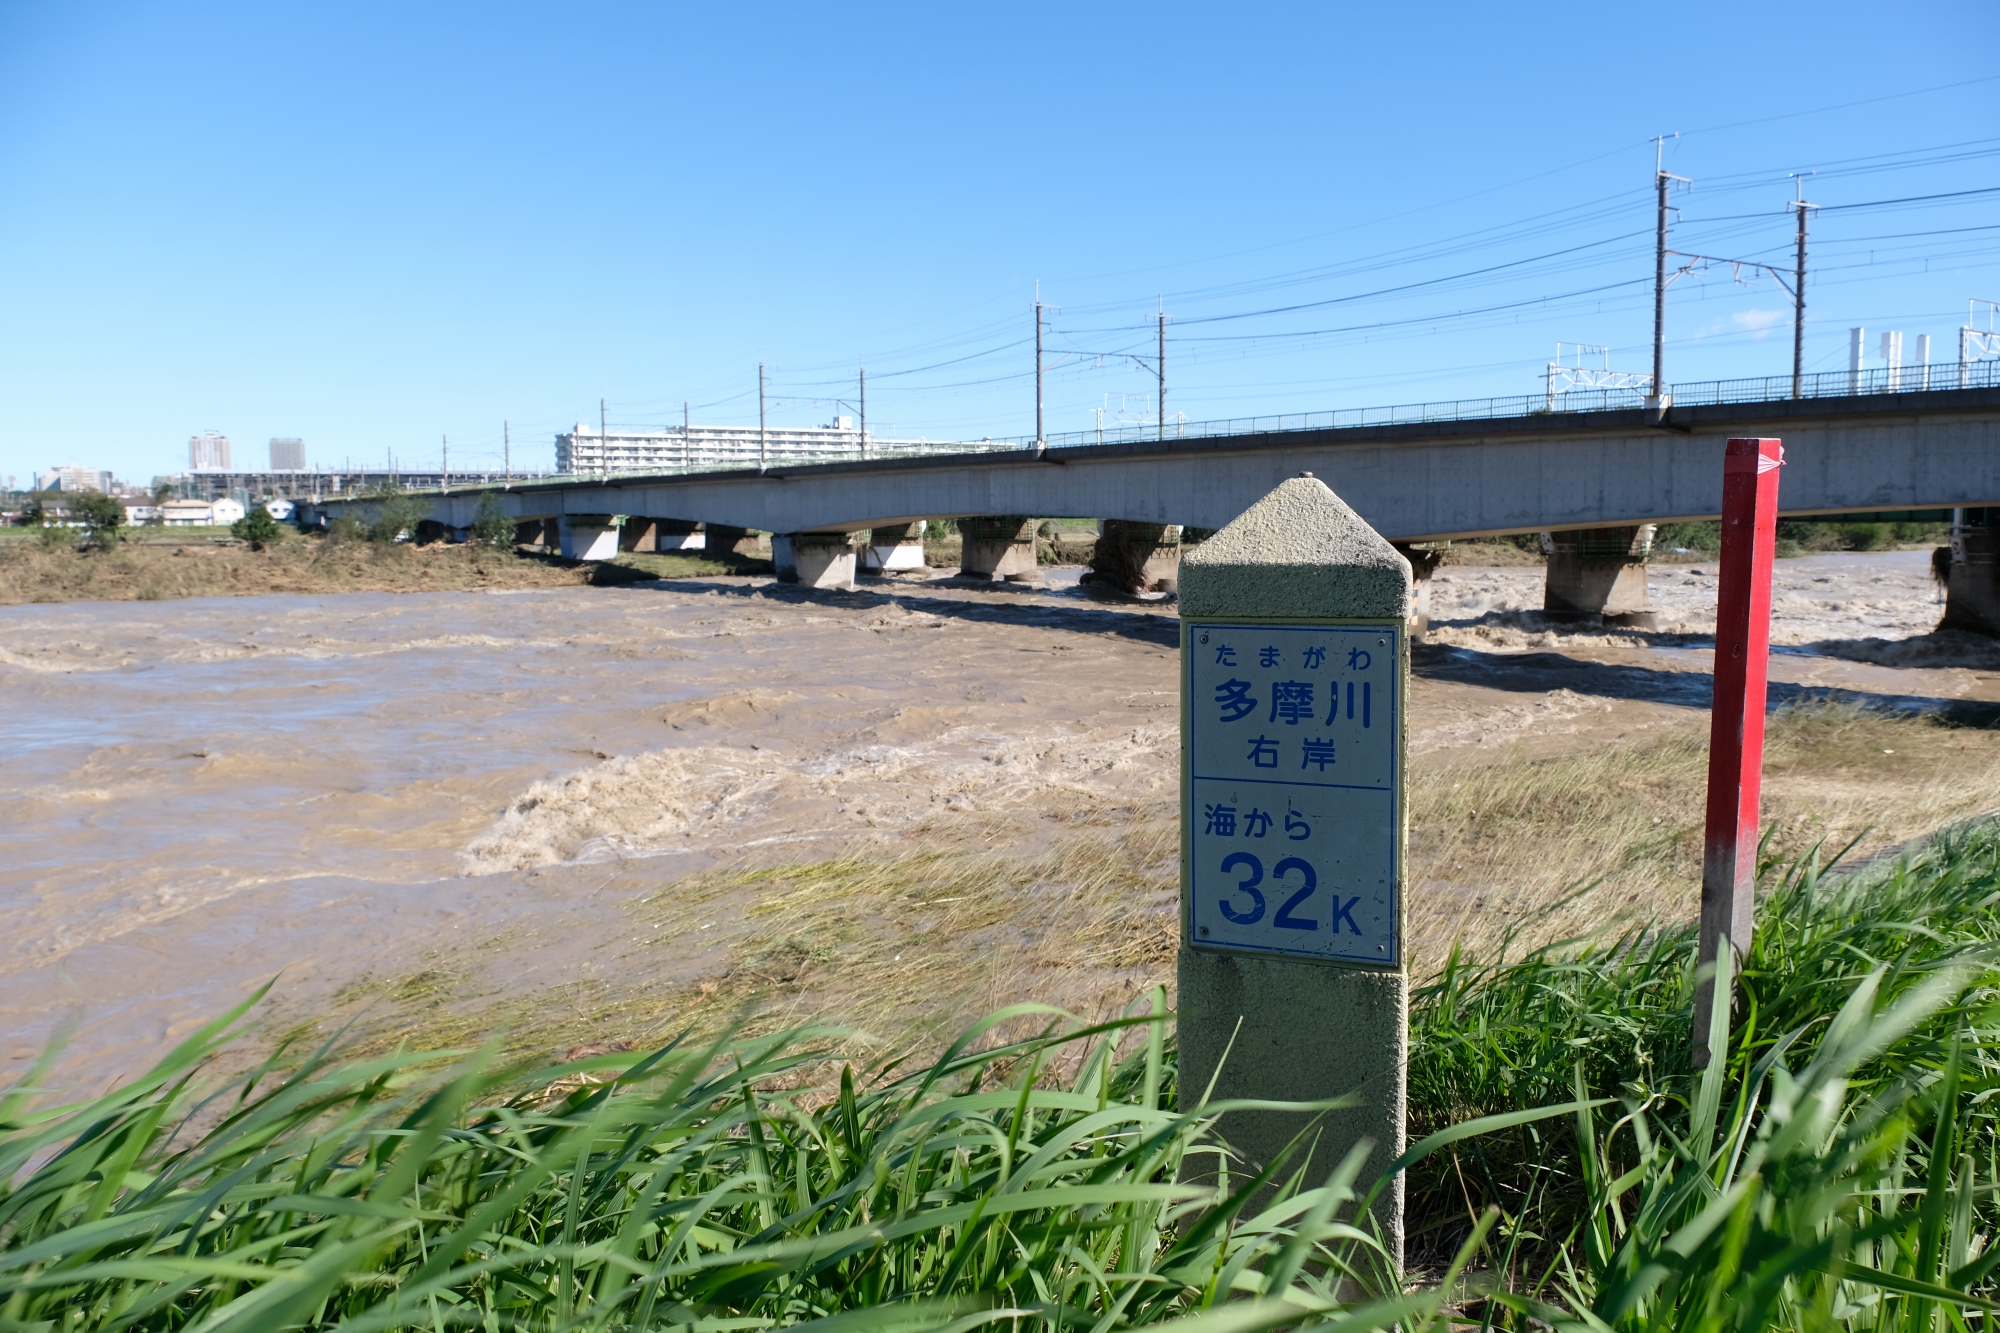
point(1836, 1170)
point(1865, 1021)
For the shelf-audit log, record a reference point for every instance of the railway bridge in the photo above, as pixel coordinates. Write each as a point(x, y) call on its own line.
point(1592, 480)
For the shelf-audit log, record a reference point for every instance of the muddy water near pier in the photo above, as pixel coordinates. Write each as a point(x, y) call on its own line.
point(202, 795)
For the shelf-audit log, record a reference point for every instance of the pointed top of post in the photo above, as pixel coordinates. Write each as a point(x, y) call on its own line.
point(1299, 551)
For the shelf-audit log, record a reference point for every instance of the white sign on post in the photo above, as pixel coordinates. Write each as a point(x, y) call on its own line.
point(1293, 741)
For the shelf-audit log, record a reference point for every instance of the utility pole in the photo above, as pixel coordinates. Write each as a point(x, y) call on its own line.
point(1041, 442)
point(763, 431)
point(864, 411)
point(445, 482)
point(687, 438)
point(1160, 368)
point(1662, 180)
point(1799, 292)
point(603, 443)
point(507, 450)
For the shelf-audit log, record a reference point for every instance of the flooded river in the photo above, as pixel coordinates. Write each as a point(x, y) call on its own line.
point(202, 795)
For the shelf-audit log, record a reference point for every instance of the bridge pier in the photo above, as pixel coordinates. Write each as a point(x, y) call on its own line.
point(1599, 574)
point(897, 547)
point(638, 534)
point(537, 532)
point(814, 559)
point(676, 534)
point(588, 537)
point(1424, 562)
point(1136, 557)
point(1972, 590)
point(721, 539)
point(996, 547)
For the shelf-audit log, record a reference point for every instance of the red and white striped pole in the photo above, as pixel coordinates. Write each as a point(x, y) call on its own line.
point(1736, 728)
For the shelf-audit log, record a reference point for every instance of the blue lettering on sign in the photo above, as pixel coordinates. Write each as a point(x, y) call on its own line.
point(1317, 774)
point(1234, 697)
point(1291, 701)
point(1249, 883)
point(1285, 917)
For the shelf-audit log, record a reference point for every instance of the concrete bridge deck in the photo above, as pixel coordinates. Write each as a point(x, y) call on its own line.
point(1416, 482)
point(1590, 479)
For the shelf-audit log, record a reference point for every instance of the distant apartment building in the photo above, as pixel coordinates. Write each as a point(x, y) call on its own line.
point(585, 450)
point(200, 513)
point(75, 479)
point(287, 454)
point(208, 452)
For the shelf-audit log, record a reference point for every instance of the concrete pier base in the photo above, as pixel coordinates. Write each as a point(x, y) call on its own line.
point(898, 547)
point(676, 534)
point(720, 539)
point(1424, 562)
point(588, 537)
point(997, 547)
point(1972, 590)
point(637, 534)
point(1136, 557)
point(814, 559)
point(1599, 574)
point(537, 532)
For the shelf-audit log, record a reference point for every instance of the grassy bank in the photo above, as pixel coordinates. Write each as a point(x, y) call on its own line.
point(1835, 1171)
point(924, 935)
point(148, 568)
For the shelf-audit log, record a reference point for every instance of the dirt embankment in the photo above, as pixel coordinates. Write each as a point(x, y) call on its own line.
point(152, 570)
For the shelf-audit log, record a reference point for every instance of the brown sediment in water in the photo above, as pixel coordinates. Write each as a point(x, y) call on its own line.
point(591, 815)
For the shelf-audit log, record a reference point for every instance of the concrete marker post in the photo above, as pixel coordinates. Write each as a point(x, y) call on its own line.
point(1295, 669)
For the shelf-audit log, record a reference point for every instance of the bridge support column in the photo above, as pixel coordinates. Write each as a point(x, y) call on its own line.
point(676, 534)
point(536, 532)
point(1972, 590)
point(898, 547)
point(638, 534)
point(815, 559)
point(1136, 557)
point(588, 537)
point(1599, 574)
point(721, 539)
point(1424, 562)
point(997, 547)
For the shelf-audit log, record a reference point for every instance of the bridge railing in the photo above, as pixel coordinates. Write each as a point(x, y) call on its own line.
point(1763, 389)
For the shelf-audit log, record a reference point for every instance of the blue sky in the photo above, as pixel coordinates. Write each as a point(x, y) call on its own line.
point(374, 226)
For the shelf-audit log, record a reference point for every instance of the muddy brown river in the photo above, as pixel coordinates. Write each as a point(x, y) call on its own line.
point(200, 796)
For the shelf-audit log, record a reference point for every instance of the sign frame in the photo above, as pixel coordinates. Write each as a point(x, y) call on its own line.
point(1398, 632)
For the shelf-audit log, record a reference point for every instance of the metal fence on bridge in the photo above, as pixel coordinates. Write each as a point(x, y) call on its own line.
point(1770, 388)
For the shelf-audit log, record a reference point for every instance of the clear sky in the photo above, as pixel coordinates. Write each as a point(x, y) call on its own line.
point(375, 225)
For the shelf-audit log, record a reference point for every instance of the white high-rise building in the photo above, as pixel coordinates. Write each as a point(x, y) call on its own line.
point(287, 454)
point(75, 479)
point(208, 452)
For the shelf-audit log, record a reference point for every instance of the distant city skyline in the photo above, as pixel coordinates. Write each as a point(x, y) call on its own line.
point(371, 245)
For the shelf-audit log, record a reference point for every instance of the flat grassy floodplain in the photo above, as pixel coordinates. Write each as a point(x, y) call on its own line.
point(164, 564)
point(1836, 1169)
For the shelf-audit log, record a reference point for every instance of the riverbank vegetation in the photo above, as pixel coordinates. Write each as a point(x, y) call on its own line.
point(1835, 1170)
point(196, 563)
point(926, 932)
